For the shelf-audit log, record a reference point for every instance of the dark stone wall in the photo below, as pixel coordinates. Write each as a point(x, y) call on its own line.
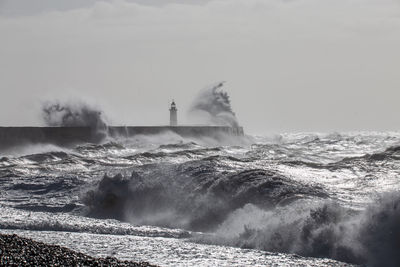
point(195, 131)
point(15, 136)
point(69, 136)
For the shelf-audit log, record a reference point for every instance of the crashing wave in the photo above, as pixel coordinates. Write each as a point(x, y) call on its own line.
point(324, 230)
point(195, 195)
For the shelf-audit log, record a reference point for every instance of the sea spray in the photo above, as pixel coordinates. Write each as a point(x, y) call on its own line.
point(72, 114)
point(213, 106)
point(318, 229)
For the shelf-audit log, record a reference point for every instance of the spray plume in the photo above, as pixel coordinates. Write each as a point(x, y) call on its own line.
point(213, 105)
point(72, 114)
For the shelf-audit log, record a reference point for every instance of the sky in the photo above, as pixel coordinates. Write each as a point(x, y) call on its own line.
point(289, 65)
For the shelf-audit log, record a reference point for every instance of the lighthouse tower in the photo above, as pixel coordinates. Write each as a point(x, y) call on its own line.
point(173, 116)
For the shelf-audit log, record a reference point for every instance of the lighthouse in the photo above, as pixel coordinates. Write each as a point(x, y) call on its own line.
point(173, 116)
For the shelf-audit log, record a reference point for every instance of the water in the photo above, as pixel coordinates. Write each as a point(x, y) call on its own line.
point(287, 200)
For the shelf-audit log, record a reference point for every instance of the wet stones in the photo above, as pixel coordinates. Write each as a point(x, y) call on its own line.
point(19, 251)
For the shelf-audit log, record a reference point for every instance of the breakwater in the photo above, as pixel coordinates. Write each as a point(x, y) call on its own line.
point(64, 136)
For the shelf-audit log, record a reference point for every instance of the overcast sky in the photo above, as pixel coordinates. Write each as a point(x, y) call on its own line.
point(290, 65)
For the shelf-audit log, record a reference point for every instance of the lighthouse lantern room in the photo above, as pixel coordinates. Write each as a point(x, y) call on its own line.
point(173, 116)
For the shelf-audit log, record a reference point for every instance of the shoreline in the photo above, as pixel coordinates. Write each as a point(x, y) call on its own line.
point(21, 251)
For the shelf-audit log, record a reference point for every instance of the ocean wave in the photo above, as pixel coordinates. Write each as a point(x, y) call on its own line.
point(196, 195)
point(180, 145)
point(100, 147)
point(42, 193)
point(44, 186)
point(48, 156)
point(47, 208)
point(24, 149)
point(322, 229)
point(44, 221)
point(183, 154)
point(391, 154)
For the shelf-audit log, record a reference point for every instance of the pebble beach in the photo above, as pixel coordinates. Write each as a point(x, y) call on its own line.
point(19, 251)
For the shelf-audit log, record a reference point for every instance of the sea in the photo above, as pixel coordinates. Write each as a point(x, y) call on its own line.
point(291, 199)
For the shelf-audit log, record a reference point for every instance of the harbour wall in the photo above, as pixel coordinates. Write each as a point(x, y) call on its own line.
point(67, 136)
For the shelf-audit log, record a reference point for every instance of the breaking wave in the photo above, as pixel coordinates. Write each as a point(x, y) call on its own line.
point(194, 195)
point(322, 229)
